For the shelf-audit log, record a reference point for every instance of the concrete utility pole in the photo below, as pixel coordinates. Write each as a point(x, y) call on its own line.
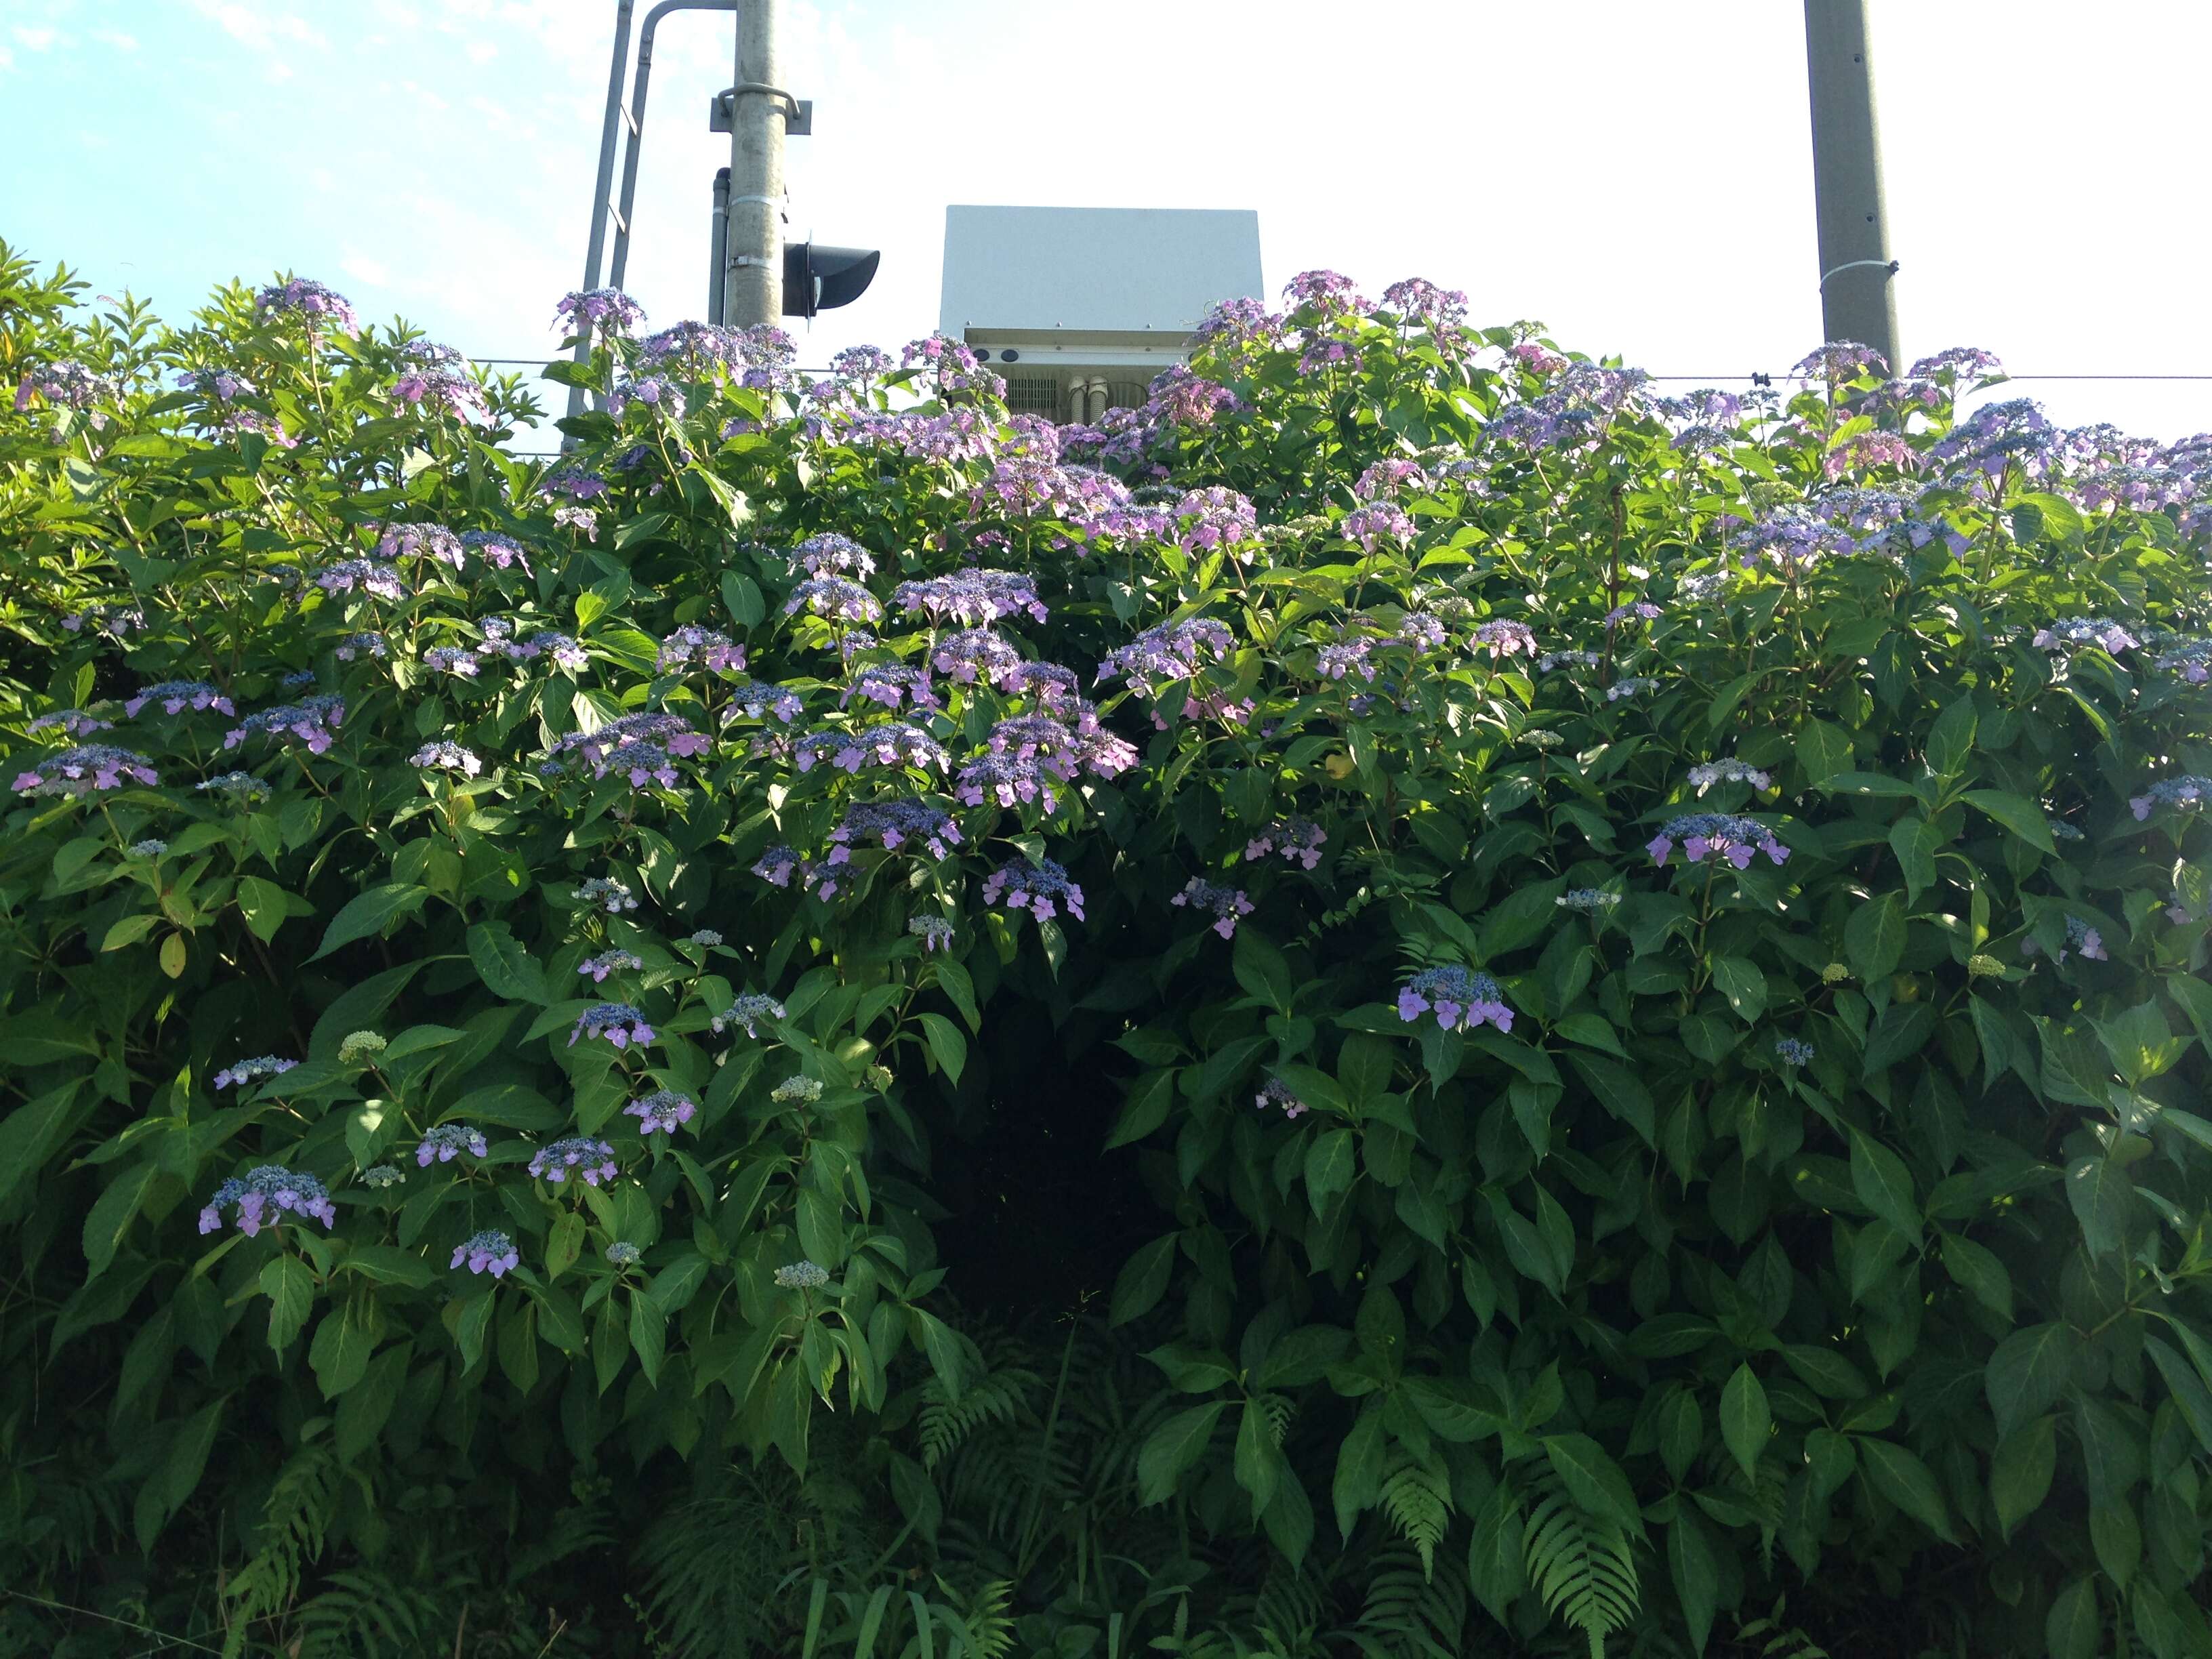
point(1857, 297)
point(759, 111)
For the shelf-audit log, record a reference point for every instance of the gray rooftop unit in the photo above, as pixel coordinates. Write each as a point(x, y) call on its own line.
point(1027, 271)
point(1083, 306)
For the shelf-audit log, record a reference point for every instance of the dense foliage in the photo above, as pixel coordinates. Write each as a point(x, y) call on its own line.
point(1412, 990)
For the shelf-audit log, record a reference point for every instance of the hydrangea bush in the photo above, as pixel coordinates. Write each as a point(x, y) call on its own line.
point(1638, 963)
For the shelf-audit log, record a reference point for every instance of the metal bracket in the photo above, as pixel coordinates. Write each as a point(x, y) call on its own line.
point(797, 113)
point(752, 259)
point(1889, 266)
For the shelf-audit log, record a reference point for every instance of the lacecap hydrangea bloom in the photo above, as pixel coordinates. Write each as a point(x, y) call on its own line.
point(802, 1276)
point(607, 309)
point(444, 756)
point(800, 1089)
point(1273, 1093)
point(149, 849)
point(1041, 888)
point(301, 297)
point(935, 932)
point(594, 1160)
point(253, 1071)
point(1297, 839)
point(1505, 638)
point(312, 719)
point(2185, 794)
point(662, 1112)
point(747, 1012)
point(623, 1253)
point(2070, 631)
point(380, 1176)
point(252, 1195)
point(595, 968)
point(1791, 1051)
point(618, 1022)
point(1591, 901)
point(448, 1141)
point(1728, 771)
point(1462, 999)
point(1737, 839)
point(490, 1251)
point(177, 695)
point(606, 893)
point(74, 722)
point(358, 1046)
point(1226, 904)
point(2080, 937)
point(86, 770)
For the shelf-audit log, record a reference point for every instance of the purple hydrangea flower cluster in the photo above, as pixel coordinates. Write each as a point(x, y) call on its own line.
point(453, 660)
point(2080, 937)
point(1299, 840)
point(891, 742)
point(832, 555)
point(115, 621)
point(1237, 322)
point(607, 894)
point(713, 651)
point(1505, 638)
point(598, 308)
point(1215, 517)
point(1376, 521)
point(446, 1141)
point(1552, 659)
point(594, 1160)
point(663, 1112)
point(1225, 902)
point(2184, 792)
point(421, 541)
point(759, 702)
point(891, 684)
point(1416, 300)
point(776, 866)
point(563, 649)
point(445, 755)
point(974, 654)
point(1840, 360)
point(1641, 610)
point(971, 598)
point(662, 734)
point(1041, 888)
point(2070, 631)
point(595, 968)
point(1273, 1093)
point(1462, 1000)
point(312, 719)
point(1737, 839)
point(651, 390)
point(1793, 1051)
point(935, 933)
point(176, 696)
point(1728, 771)
point(618, 1022)
point(747, 1011)
point(1589, 901)
point(71, 722)
point(242, 788)
point(85, 770)
point(1171, 652)
point(302, 298)
point(490, 1251)
point(1958, 363)
point(1634, 685)
point(2190, 658)
point(1051, 685)
point(497, 549)
point(253, 1071)
point(362, 645)
point(623, 1253)
point(380, 582)
point(892, 824)
point(435, 377)
point(1999, 436)
point(252, 1194)
point(835, 596)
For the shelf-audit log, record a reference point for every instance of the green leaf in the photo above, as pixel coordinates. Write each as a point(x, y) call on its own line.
point(112, 1214)
point(1621, 1091)
point(1747, 1424)
point(290, 1288)
point(946, 1046)
point(2102, 1196)
point(1454, 1408)
point(507, 969)
point(959, 989)
point(1824, 751)
point(30, 1132)
point(1951, 740)
point(1497, 1567)
point(1592, 1030)
point(340, 1353)
point(1977, 1271)
point(1744, 984)
point(1871, 783)
point(1329, 1167)
point(564, 1244)
point(363, 1410)
point(264, 904)
point(1259, 1463)
point(1145, 1110)
point(2025, 1373)
point(1694, 1565)
point(2140, 1044)
point(1143, 1280)
point(2074, 1628)
point(1260, 969)
point(1172, 1448)
point(385, 1264)
point(2191, 1397)
point(649, 1335)
point(2023, 817)
point(1359, 1464)
point(1874, 938)
point(1914, 839)
point(1906, 1481)
point(1884, 1185)
point(1593, 1480)
point(177, 1475)
point(2020, 1470)
point(370, 912)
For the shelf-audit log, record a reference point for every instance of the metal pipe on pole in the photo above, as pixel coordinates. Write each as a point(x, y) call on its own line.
point(1858, 300)
point(759, 111)
point(596, 244)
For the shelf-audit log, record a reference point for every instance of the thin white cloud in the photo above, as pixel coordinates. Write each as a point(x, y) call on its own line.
point(260, 26)
point(362, 269)
point(117, 39)
point(34, 38)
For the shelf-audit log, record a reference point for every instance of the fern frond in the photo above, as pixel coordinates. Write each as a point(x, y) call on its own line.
point(1000, 1396)
point(1581, 1566)
point(294, 1522)
point(1417, 1501)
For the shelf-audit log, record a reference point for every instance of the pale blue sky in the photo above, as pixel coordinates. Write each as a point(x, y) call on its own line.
point(1636, 173)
